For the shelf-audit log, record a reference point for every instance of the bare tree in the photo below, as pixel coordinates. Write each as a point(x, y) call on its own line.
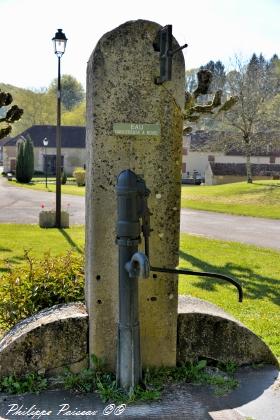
point(253, 85)
point(195, 109)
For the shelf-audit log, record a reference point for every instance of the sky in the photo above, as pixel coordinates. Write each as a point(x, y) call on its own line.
point(213, 29)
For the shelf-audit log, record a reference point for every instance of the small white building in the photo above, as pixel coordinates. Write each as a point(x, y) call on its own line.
point(73, 152)
point(198, 157)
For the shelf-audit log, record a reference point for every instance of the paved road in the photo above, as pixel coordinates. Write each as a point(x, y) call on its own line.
point(21, 205)
point(252, 230)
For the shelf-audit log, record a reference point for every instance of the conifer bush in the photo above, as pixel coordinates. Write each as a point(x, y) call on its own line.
point(25, 161)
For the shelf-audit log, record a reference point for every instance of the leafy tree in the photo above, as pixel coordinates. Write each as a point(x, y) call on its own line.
point(9, 116)
point(72, 91)
point(25, 160)
point(39, 107)
point(77, 116)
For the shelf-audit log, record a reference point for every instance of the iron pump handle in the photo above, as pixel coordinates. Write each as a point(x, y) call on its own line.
point(144, 213)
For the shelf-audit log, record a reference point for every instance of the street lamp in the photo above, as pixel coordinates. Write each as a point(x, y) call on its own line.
point(45, 143)
point(59, 41)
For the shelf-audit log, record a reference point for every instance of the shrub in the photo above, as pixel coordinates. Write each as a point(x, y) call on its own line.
point(80, 174)
point(63, 178)
point(38, 284)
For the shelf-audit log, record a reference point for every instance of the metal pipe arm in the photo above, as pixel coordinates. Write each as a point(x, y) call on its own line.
point(202, 274)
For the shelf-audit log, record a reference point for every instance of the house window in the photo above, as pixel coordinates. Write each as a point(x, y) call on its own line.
point(271, 159)
point(185, 151)
point(184, 167)
point(211, 158)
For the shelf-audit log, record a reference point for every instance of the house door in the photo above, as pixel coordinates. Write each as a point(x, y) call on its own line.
point(13, 165)
point(50, 164)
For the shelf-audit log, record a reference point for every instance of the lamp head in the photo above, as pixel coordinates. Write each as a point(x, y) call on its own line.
point(59, 42)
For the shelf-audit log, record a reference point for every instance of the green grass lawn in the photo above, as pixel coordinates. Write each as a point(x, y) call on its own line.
point(258, 269)
point(14, 239)
point(65, 189)
point(260, 199)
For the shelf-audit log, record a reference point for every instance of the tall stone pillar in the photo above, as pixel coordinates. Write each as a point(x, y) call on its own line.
point(133, 123)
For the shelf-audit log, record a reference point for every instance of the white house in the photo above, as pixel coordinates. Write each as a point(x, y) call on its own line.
point(198, 157)
point(73, 151)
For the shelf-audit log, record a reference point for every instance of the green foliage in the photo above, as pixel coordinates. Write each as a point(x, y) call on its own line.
point(76, 116)
point(25, 161)
point(39, 107)
point(40, 284)
point(31, 382)
point(80, 176)
point(72, 91)
point(63, 178)
point(154, 381)
point(193, 372)
point(104, 383)
point(85, 381)
point(229, 367)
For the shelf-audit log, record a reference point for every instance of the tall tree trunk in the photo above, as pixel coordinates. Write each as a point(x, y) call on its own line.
point(248, 159)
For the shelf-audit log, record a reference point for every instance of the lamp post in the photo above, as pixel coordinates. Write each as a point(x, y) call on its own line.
point(45, 143)
point(59, 41)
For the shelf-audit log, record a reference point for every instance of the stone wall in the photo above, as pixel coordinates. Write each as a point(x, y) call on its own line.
point(47, 342)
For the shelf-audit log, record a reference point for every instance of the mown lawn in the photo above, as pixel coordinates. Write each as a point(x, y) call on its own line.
point(71, 189)
point(14, 239)
point(258, 269)
point(260, 199)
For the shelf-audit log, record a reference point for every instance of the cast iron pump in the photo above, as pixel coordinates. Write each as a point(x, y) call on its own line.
point(133, 208)
point(131, 193)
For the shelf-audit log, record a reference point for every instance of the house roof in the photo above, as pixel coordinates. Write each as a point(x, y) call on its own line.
point(71, 136)
point(264, 143)
point(4, 141)
point(239, 169)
